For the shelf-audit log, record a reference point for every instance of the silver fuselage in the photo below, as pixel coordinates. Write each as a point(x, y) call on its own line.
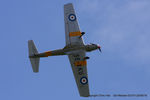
point(68, 50)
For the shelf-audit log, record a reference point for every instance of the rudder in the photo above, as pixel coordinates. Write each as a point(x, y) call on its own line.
point(34, 60)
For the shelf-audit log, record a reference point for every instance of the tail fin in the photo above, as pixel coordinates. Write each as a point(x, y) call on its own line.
point(32, 52)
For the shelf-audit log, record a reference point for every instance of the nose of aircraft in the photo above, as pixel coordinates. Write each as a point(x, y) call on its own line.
point(98, 46)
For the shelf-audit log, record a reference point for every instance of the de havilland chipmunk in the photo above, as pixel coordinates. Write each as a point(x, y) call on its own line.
point(75, 49)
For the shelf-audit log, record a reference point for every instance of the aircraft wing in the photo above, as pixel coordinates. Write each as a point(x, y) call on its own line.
point(72, 30)
point(79, 69)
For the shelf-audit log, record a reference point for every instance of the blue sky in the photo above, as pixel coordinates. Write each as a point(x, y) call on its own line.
point(121, 27)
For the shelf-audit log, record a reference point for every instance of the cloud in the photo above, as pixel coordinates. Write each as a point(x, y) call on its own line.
point(120, 25)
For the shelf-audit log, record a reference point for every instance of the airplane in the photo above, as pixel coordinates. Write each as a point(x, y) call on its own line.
point(75, 49)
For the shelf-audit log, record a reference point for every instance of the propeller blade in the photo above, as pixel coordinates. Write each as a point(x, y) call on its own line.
point(100, 50)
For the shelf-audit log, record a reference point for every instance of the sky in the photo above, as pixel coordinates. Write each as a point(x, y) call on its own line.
point(120, 27)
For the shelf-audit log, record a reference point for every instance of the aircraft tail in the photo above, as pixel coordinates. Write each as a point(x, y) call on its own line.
point(34, 60)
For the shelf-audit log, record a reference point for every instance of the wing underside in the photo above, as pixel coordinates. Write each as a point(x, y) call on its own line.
point(77, 61)
point(72, 30)
point(79, 69)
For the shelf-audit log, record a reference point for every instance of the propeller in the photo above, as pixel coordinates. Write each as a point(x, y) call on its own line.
point(99, 48)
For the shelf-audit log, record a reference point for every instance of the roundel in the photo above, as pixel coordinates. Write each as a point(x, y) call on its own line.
point(72, 17)
point(83, 80)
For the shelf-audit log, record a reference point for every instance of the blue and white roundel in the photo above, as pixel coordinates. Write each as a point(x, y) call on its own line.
point(72, 17)
point(83, 80)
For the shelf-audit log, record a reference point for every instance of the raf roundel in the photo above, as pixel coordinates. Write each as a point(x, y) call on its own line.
point(83, 80)
point(72, 17)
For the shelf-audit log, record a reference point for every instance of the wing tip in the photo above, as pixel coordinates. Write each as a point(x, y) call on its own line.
point(68, 4)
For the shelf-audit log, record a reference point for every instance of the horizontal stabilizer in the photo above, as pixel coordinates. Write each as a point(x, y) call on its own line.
point(33, 51)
